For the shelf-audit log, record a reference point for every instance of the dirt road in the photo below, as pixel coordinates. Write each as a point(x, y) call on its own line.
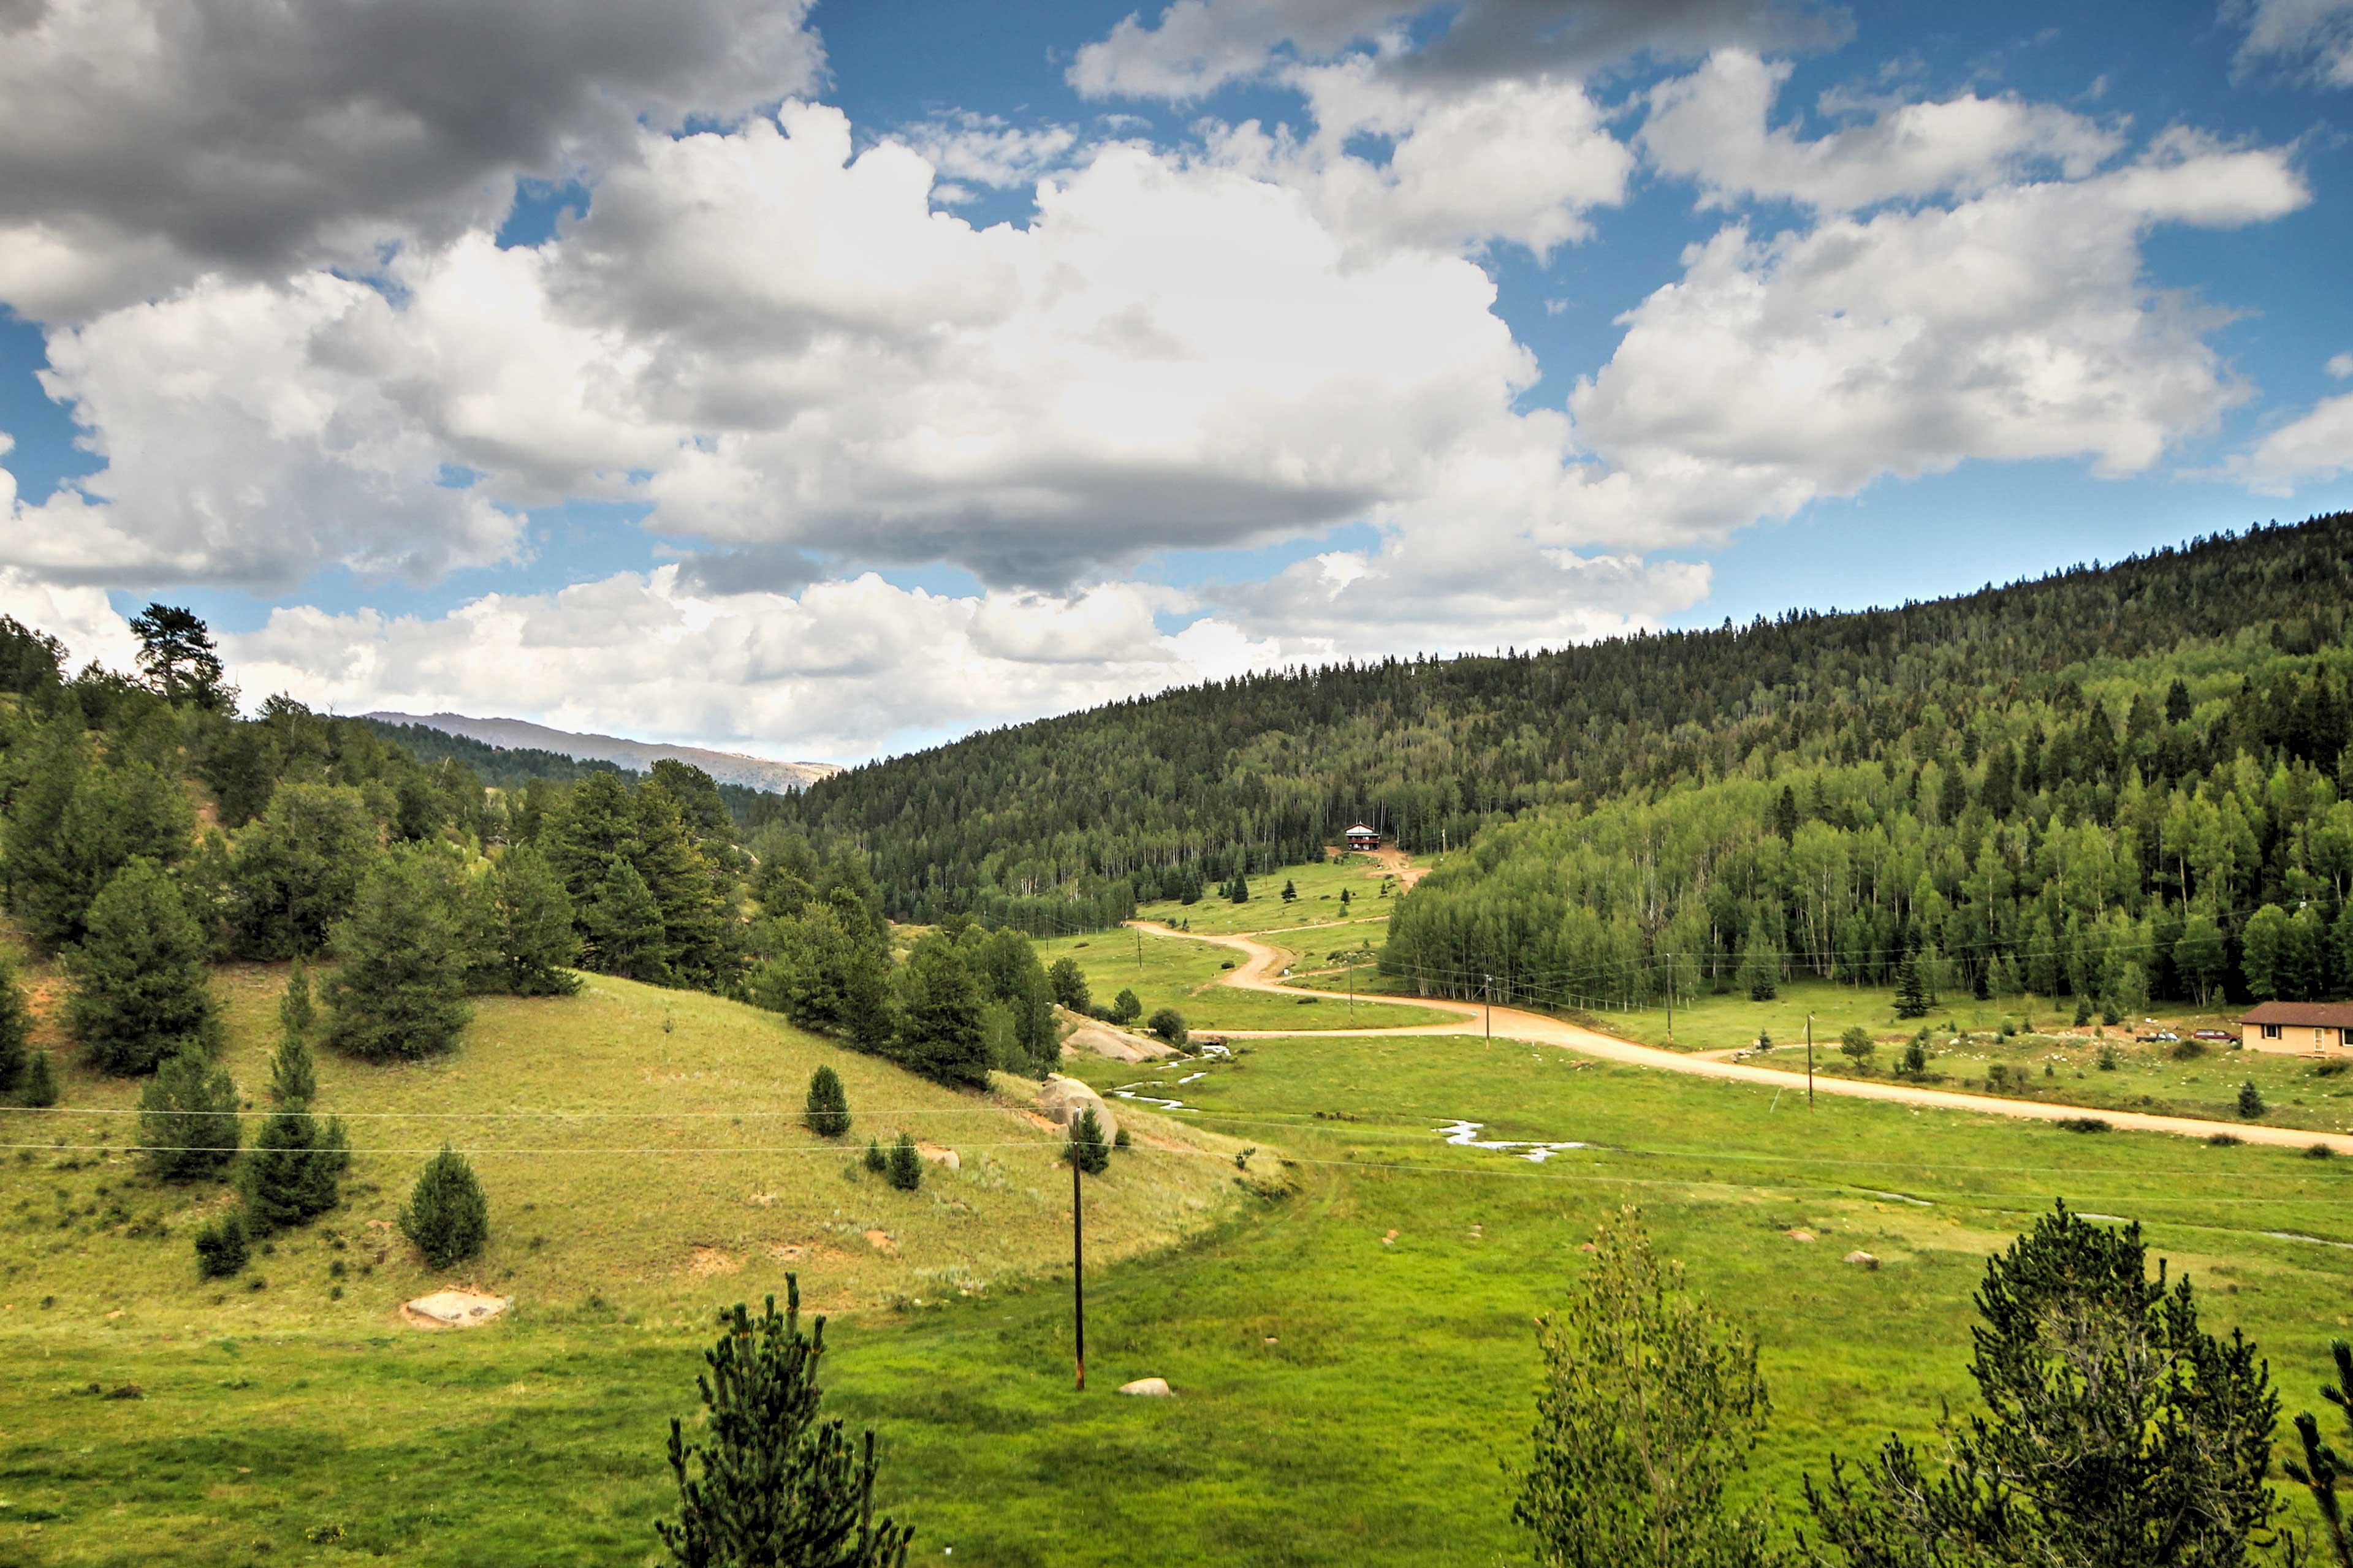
point(1534, 1028)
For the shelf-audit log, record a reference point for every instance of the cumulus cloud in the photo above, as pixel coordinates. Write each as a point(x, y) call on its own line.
point(839, 671)
point(2314, 35)
point(2315, 447)
point(1195, 46)
point(1711, 126)
point(2015, 324)
point(150, 141)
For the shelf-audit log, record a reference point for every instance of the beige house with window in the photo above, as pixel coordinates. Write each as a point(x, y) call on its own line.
point(2299, 1028)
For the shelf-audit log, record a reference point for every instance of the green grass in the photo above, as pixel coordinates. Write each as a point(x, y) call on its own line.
point(1187, 976)
point(1318, 902)
point(1346, 1395)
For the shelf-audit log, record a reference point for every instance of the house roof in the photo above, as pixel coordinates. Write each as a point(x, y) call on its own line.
point(1361, 831)
point(2314, 1014)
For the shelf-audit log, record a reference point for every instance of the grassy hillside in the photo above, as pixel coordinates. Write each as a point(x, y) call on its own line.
point(1353, 1371)
point(644, 1159)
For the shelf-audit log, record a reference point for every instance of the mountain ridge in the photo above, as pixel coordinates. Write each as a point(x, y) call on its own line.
point(520, 735)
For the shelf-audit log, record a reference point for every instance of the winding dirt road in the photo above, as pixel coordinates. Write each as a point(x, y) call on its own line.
point(1534, 1028)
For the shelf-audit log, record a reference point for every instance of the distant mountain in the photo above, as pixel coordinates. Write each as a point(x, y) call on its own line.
point(517, 734)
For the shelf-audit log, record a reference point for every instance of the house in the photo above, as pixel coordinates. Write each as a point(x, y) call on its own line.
point(1361, 837)
point(2301, 1027)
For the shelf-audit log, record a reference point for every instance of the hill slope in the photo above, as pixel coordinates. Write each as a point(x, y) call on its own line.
point(517, 734)
point(1070, 820)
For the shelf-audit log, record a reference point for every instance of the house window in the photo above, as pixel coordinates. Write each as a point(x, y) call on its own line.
point(2271, 1031)
point(2345, 1036)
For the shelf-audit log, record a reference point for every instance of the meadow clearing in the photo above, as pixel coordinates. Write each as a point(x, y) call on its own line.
point(1353, 1351)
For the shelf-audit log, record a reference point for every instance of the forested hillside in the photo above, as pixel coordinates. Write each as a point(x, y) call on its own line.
point(1067, 820)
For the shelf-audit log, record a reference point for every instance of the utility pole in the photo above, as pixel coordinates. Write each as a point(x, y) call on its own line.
point(1078, 1275)
point(1671, 998)
point(1139, 947)
point(1487, 989)
point(1810, 1064)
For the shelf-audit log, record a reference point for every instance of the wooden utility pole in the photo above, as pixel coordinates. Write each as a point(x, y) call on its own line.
point(1670, 999)
point(1078, 1275)
point(1487, 988)
point(1139, 947)
point(1809, 1062)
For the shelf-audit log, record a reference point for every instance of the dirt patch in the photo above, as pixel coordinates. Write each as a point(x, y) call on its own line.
point(706, 1261)
point(940, 1154)
point(880, 1240)
point(454, 1309)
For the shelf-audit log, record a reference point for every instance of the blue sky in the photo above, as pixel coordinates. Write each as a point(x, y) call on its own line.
point(742, 386)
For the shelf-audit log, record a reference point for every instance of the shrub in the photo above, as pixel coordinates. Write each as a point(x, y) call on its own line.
point(2250, 1100)
point(1857, 1044)
point(223, 1247)
point(2188, 1051)
point(187, 1119)
point(1087, 1149)
point(1169, 1025)
point(447, 1216)
point(2320, 1151)
point(2109, 1059)
point(906, 1169)
point(876, 1161)
point(40, 1089)
point(2081, 1125)
point(828, 1112)
point(2225, 1139)
point(1119, 1139)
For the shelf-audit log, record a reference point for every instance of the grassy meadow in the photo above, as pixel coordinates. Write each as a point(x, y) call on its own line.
point(1318, 886)
point(1353, 1353)
point(1185, 976)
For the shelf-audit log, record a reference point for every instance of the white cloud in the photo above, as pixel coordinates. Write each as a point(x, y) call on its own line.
point(2316, 34)
point(988, 150)
point(2012, 325)
point(1195, 46)
point(1711, 126)
point(846, 668)
point(2340, 365)
point(150, 141)
point(2316, 447)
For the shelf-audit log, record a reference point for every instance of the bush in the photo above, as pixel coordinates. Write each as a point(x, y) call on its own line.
point(223, 1247)
point(1915, 1055)
point(1087, 1148)
point(2320, 1151)
point(1169, 1025)
point(2188, 1051)
point(1857, 1044)
point(1127, 1008)
point(187, 1119)
point(2250, 1100)
point(2225, 1139)
point(906, 1169)
point(876, 1161)
point(447, 1216)
point(828, 1113)
point(40, 1089)
point(2109, 1059)
point(1119, 1139)
point(2081, 1125)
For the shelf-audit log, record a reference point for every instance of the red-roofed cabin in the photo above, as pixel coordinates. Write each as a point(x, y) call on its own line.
point(1362, 838)
point(2301, 1027)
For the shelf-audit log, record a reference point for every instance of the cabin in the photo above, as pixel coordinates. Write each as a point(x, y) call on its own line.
point(1362, 838)
point(2304, 1028)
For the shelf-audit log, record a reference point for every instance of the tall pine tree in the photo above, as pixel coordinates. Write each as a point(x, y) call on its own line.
point(142, 991)
point(531, 924)
point(398, 991)
point(188, 1125)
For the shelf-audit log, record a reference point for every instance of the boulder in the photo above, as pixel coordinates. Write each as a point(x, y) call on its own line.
point(1148, 1388)
point(1799, 1234)
point(1862, 1259)
point(1104, 1040)
point(454, 1308)
point(1063, 1101)
point(946, 1159)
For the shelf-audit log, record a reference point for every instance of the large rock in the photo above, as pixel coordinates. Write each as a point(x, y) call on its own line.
point(454, 1308)
point(1064, 1100)
point(1103, 1040)
point(1148, 1388)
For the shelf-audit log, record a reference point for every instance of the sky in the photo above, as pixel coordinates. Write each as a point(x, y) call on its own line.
point(825, 381)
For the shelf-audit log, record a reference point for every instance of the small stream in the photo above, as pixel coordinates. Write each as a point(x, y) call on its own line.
point(1465, 1135)
point(1209, 1056)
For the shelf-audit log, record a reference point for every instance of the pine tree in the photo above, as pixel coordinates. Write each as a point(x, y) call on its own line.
point(295, 872)
point(1760, 963)
point(447, 1216)
point(1915, 1055)
point(1241, 888)
point(16, 1029)
point(293, 1073)
point(772, 1484)
point(2323, 1468)
point(292, 1174)
point(2250, 1100)
point(187, 1119)
point(142, 991)
point(876, 1161)
point(940, 1032)
point(1088, 1148)
point(223, 1245)
point(39, 1090)
point(828, 1110)
point(1127, 1008)
point(531, 924)
point(906, 1168)
point(1910, 991)
point(625, 926)
point(1857, 1045)
point(2116, 1430)
point(684, 885)
point(399, 990)
point(1289, 891)
point(295, 1013)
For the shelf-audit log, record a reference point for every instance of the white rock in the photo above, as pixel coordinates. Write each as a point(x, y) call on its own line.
point(455, 1309)
point(1149, 1388)
point(1862, 1259)
point(1065, 1099)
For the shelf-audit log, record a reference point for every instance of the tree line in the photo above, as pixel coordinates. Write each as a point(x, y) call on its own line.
point(1065, 822)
